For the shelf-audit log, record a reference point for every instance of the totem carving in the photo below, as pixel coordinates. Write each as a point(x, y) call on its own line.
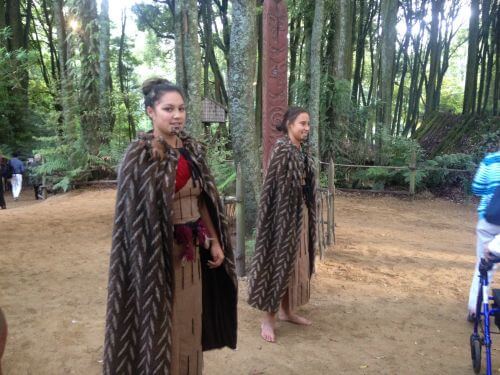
point(274, 72)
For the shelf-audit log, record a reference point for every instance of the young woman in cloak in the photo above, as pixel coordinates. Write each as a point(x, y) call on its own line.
point(172, 285)
point(283, 262)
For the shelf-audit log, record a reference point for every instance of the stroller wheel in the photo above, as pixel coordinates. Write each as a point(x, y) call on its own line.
point(475, 352)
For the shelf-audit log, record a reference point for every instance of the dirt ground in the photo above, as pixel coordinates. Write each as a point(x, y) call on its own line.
point(389, 298)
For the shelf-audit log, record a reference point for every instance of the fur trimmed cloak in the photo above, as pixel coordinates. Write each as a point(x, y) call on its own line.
point(140, 290)
point(279, 224)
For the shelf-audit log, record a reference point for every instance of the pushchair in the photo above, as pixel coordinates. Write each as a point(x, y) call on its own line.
point(481, 336)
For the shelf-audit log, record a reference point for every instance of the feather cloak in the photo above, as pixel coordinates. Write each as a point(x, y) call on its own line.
point(279, 224)
point(140, 290)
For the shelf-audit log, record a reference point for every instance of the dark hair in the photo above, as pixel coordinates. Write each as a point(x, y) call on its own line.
point(290, 115)
point(15, 154)
point(154, 88)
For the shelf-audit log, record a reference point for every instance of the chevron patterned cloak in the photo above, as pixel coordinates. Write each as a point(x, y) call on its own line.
point(279, 224)
point(140, 290)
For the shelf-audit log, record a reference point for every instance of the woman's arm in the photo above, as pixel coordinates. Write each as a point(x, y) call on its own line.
point(215, 248)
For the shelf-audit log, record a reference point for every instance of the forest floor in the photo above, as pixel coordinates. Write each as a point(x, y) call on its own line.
point(389, 297)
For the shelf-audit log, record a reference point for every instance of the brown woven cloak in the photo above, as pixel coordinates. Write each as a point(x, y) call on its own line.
point(140, 290)
point(279, 224)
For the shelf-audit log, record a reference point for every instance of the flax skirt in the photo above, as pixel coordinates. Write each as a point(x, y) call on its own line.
point(299, 289)
point(187, 354)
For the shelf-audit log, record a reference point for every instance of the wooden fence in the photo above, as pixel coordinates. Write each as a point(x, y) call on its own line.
point(234, 207)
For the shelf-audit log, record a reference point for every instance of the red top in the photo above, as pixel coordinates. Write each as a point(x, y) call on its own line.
point(183, 173)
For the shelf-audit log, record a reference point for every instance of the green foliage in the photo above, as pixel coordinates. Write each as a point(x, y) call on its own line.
point(487, 138)
point(14, 113)
point(155, 17)
point(342, 129)
point(221, 165)
point(439, 179)
point(398, 150)
point(67, 164)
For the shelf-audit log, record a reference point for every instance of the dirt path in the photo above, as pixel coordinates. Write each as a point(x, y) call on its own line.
point(389, 297)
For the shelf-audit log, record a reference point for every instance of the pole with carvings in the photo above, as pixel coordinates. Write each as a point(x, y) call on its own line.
point(274, 72)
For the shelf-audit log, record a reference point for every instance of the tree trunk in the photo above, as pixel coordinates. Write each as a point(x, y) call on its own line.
point(413, 96)
point(472, 60)
point(374, 58)
point(386, 57)
point(315, 69)
point(124, 90)
point(258, 86)
point(484, 52)
point(90, 120)
point(360, 52)
point(18, 77)
point(220, 86)
point(295, 34)
point(490, 56)
point(398, 111)
point(66, 96)
point(2, 17)
point(241, 76)
point(191, 59)
point(342, 44)
point(105, 83)
point(306, 69)
point(389, 10)
point(430, 101)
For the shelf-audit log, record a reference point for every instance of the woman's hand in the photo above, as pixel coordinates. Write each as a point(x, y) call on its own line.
point(217, 255)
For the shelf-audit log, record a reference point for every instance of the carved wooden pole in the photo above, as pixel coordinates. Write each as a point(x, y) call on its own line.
point(274, 72)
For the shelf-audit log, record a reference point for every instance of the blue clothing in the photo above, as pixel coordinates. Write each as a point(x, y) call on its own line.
point(17, 166)
point(486, 180)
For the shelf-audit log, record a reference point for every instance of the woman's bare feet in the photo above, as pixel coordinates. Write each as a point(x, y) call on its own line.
point(294, 318)
point(267, 328)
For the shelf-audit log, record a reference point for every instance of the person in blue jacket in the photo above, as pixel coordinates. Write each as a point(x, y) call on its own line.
point(486, 180)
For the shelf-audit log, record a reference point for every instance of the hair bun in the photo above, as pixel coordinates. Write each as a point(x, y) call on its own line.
point(150, 83)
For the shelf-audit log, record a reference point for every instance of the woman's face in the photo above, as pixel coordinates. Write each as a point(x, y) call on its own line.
point(298, 130)
point(168, 114)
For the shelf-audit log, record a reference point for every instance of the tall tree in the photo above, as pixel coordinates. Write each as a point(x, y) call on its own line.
point(90, 119)
point(188, 61)
point(124, 81)
point(65, 86)
point(210, 56)
point(343, 32)
point(389, 11)
point(435, 57)
point(472, 60)
point(17, 77)
point(105, 83)
point(315, 74)
point(241, 75)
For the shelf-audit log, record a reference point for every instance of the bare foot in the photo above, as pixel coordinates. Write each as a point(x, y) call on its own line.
point(295, 319)
point(267, 330)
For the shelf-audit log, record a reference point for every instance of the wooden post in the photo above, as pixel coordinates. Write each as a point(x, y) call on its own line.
point(240, 224)
point(331, 191)
point(320, 225)
point(274, 72)
point(413, 172)
point(44, 182)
